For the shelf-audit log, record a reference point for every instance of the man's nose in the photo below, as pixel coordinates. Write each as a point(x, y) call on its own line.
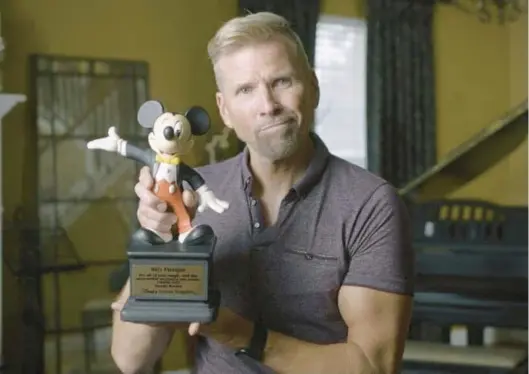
point(269, 103)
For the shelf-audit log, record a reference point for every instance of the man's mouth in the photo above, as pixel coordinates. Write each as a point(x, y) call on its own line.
point(276, 124)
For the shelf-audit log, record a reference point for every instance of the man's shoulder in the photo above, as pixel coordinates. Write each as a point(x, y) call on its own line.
point(355, 182)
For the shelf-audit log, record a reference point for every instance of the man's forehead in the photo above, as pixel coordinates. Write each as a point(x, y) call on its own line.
point(258, 61)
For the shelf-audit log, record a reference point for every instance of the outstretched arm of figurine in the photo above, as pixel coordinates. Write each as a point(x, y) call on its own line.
point(113, 143)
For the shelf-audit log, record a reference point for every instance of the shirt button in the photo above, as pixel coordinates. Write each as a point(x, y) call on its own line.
point(254, 202)
point(308, 256)
point(256, 225)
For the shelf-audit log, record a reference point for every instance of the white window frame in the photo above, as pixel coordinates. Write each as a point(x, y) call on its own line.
point(345, 130)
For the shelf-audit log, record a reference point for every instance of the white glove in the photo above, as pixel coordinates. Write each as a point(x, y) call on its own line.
point(208, 199)
point(109, 143)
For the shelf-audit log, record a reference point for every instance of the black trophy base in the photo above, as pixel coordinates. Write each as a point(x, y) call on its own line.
point(171, 282)
point(169, 311)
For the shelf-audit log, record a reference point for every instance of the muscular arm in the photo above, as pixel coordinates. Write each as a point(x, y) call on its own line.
point(378, 324)
point(375, 299)
point(137, 347)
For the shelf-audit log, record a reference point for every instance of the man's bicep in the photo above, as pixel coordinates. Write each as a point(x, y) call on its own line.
point(380, 249)
point(378, 324)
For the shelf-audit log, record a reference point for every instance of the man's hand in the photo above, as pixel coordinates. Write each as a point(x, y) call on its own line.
point(229, 329)
point(152, 212)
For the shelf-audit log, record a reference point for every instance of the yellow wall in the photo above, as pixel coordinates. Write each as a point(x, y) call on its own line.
point(351, 8)
point(481, 72)
point(170, 35)
point(517, 162)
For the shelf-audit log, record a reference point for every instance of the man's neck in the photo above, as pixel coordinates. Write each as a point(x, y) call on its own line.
point(277, 178)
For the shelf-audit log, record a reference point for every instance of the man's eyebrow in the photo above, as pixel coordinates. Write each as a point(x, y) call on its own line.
point(287, 74)
point(240, 85)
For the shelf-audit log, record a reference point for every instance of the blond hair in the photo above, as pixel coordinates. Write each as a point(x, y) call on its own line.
point(254, 28)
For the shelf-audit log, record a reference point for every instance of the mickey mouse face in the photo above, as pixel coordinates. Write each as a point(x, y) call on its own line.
point(172, 133)
point(172, 127)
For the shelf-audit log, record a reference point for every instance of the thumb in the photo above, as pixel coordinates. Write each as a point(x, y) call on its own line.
point(190, 201)
point(116, 306)
point(112, 132)
point(193, 328)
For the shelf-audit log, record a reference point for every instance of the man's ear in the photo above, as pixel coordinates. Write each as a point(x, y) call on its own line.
point(316, 88)
point(221, 104)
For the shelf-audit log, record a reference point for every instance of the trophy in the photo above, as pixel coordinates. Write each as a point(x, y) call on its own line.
point(170, 273)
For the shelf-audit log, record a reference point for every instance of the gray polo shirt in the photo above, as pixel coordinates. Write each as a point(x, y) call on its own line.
point(340, 225)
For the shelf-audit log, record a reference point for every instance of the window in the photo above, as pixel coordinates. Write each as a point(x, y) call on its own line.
point(340, 63)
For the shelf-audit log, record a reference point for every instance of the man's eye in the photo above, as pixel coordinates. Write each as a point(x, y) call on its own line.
point(285, 82)
point(244, 90)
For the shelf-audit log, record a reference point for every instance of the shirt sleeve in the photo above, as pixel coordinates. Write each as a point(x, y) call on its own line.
point(380, 245)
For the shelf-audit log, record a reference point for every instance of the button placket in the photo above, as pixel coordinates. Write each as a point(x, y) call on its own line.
point(255, 214)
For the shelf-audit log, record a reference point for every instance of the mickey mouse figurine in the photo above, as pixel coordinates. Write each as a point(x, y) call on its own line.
point(171, 137)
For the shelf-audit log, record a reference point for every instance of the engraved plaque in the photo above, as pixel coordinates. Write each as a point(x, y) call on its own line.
point(169, 280)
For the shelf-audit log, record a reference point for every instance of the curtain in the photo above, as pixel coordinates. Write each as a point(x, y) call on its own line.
point(401, 128)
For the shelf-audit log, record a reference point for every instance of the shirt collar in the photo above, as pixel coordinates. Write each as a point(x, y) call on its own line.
point(310, 178)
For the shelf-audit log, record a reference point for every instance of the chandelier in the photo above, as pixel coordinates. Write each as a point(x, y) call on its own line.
point(487, 11)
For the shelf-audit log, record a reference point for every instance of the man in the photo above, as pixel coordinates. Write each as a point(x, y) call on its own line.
point(313, 258)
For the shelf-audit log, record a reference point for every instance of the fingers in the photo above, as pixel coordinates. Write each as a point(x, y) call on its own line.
point(146, 178)
point(218, 205)
point(151, 210)
point(190, 201)
point(152, 218)
point(147, 197)
point(91, 144)
point(194, 328)
point(223, 204)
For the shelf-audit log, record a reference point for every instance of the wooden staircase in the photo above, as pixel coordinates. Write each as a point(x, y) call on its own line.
point(472, 158)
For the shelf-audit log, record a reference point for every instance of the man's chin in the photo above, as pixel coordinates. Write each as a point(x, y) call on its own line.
point(278, 152)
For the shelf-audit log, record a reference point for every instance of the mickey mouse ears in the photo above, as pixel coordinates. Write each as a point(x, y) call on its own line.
point(198, 119)
point(149, 112)
point(197, 116)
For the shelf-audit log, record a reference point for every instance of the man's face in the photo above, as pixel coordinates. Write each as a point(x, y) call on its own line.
point(267, 96)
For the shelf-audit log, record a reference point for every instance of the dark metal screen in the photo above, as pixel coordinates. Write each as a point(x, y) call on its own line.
point(76, 100)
